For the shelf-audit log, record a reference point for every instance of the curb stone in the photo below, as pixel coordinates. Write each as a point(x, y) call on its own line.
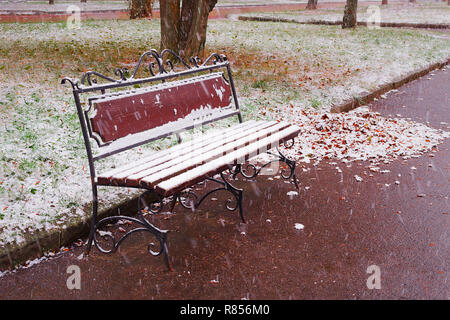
point(37, 244)
point(367, 97)
point(359, 23)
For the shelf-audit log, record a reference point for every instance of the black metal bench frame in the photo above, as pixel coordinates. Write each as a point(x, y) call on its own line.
point(161, 69)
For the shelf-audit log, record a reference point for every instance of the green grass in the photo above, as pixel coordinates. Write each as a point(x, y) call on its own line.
point(315, 103)
point(260, 84)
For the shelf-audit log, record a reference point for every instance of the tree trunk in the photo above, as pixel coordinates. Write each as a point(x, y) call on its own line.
point(169, 11)
point(194, 21)
point(84, 1)
point(384, 2)
point(312, 5)
point(183, 30)
point(51, 1)
point(140, 8)
point(349, 20)
point(412, 1)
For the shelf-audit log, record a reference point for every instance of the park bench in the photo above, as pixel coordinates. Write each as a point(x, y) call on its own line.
point(125, 113)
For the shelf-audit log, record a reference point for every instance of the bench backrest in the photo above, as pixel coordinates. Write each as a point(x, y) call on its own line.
point(119, 116)
point(170, 103)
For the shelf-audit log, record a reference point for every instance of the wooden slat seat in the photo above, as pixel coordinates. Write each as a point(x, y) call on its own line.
point(191, 177)
point(167, 154)
point(164, 165)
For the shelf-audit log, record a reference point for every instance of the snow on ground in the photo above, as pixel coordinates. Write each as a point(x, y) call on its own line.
point(418, 13)
point(318, 66)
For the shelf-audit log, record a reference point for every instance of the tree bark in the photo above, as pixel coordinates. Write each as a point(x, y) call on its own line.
point(183, 29)
point(169, 11)
point(349, 20)
point(140, 8)
point(194, 21)
point(312, 5)
point(384, 2)
point(51, 1)
point(84, 1)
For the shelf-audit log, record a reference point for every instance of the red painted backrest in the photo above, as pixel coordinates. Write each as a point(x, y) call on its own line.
point(119, 116)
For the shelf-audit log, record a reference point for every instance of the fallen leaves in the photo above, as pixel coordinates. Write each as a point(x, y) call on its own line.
point(360, 135)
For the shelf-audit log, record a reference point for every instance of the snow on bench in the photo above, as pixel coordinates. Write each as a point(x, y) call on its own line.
point(176, 151)
point(149, 179)
point(211, 168)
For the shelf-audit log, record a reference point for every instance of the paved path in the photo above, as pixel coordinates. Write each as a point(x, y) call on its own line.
point(348, 226)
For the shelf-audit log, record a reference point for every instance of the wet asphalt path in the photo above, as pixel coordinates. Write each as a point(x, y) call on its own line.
point(348, 226)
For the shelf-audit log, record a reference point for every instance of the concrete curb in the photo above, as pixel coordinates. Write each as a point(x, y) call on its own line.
point(37, 244)
point(367, 97)
point(360, 23)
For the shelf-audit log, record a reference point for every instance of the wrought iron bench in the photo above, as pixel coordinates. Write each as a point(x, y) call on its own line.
point(119, 116)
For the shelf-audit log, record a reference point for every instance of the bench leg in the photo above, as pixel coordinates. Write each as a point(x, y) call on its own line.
point(237, 194)
point(93, 220)
point(143, 226)
point(291, 164)
point(251, 171)
point(192, 201)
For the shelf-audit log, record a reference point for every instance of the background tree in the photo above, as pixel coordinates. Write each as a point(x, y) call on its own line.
point(140, 8)
point(51, 1)
point(384, 2)
point(184, 24)
point(349, 20)
point(312, 5)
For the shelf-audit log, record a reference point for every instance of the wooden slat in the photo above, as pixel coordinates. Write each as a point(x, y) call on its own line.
point(168, 129)
point(105, 177)
point(154, 178)
point(195, 175)
point(117, 117)
point(187, 159)
point(186, 154)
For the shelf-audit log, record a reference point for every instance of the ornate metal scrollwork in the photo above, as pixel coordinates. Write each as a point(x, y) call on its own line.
point(289, 145)
point(189, 199)
point(153, 207)
point(159, 64)
point(73, 82)
point(145, 226)
point(286, 172)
